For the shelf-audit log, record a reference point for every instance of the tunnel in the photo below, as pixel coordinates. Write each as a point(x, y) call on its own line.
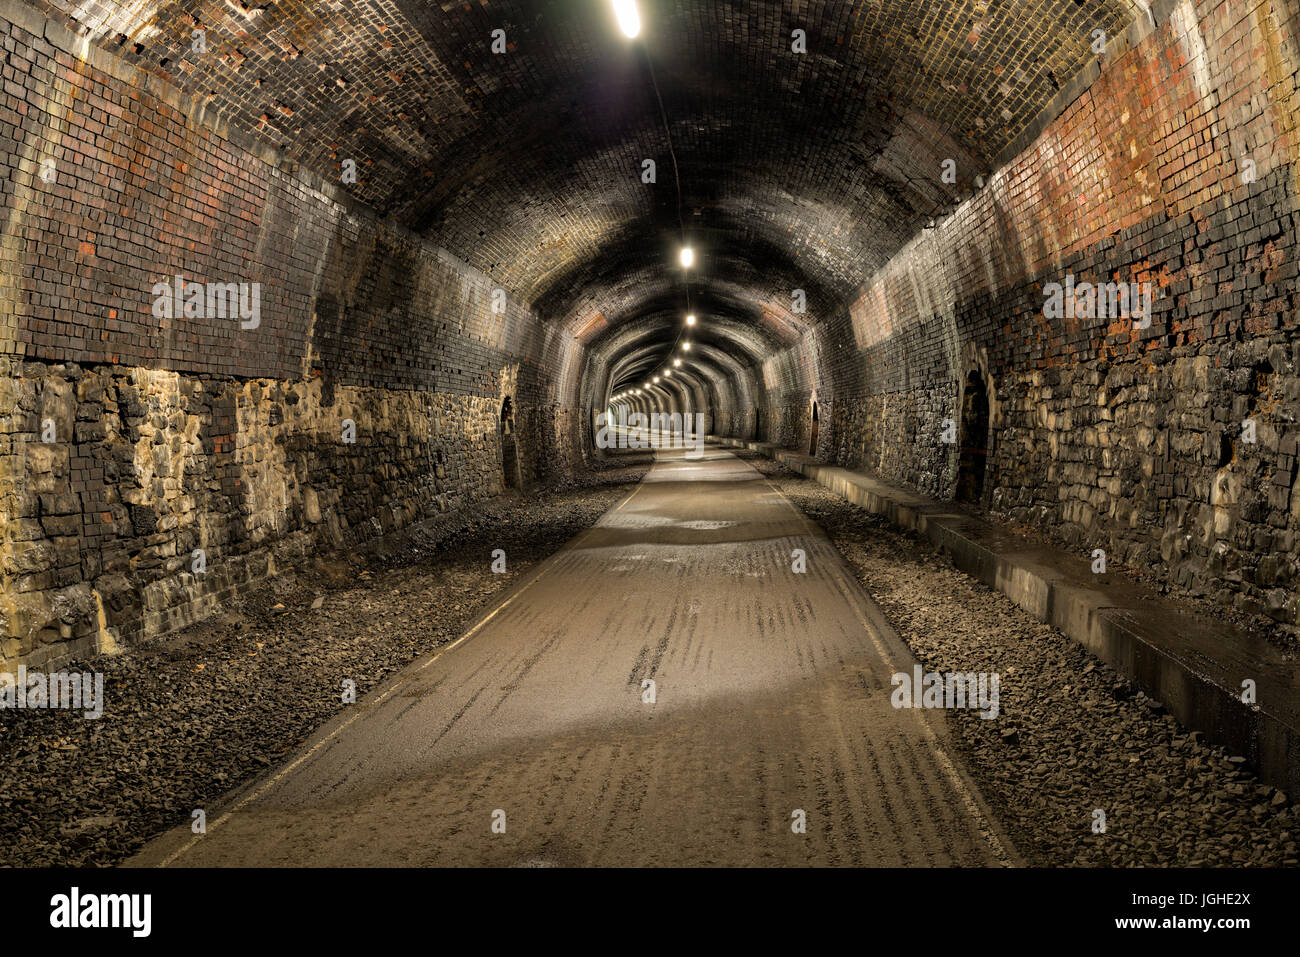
point(650, 433)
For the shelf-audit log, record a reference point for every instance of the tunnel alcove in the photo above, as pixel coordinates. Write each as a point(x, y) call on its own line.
point(510, 467)
point(812, 442)
point(974, 438)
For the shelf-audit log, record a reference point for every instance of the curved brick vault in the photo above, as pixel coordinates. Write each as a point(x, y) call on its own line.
point(498, 242)
point(796, 171)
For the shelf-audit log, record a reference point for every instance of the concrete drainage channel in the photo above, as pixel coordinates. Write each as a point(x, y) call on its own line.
point(1194, 666)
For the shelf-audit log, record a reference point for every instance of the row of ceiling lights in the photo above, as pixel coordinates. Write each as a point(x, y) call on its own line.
point(687, 260)
point(629, 21)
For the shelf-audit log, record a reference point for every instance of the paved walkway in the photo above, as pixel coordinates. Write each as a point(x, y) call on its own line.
point(772, 695)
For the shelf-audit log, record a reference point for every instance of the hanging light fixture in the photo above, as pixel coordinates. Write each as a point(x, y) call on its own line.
point(629, 19)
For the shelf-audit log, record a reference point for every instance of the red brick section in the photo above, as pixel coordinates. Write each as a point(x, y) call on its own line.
point(1105, 435)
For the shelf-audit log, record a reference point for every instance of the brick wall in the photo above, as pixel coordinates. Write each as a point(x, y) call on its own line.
point(1106, 435)
point(130, 439)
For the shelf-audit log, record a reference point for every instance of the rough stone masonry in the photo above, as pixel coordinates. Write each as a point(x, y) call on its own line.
point(1172, 447)
point(150, 469)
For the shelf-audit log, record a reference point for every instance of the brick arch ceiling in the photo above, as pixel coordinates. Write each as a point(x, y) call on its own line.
point(638, 352)
point(785, 170)
point(707, 378)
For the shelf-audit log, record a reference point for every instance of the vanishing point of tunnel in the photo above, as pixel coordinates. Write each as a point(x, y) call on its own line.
point(646, 433)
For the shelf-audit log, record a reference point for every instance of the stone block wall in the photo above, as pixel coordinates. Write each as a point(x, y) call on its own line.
point(179, 490)
point(1176, 167)
point(130, 439)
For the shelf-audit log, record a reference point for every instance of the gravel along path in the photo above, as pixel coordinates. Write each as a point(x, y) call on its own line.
point(1074, 736)
point(193, 715)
